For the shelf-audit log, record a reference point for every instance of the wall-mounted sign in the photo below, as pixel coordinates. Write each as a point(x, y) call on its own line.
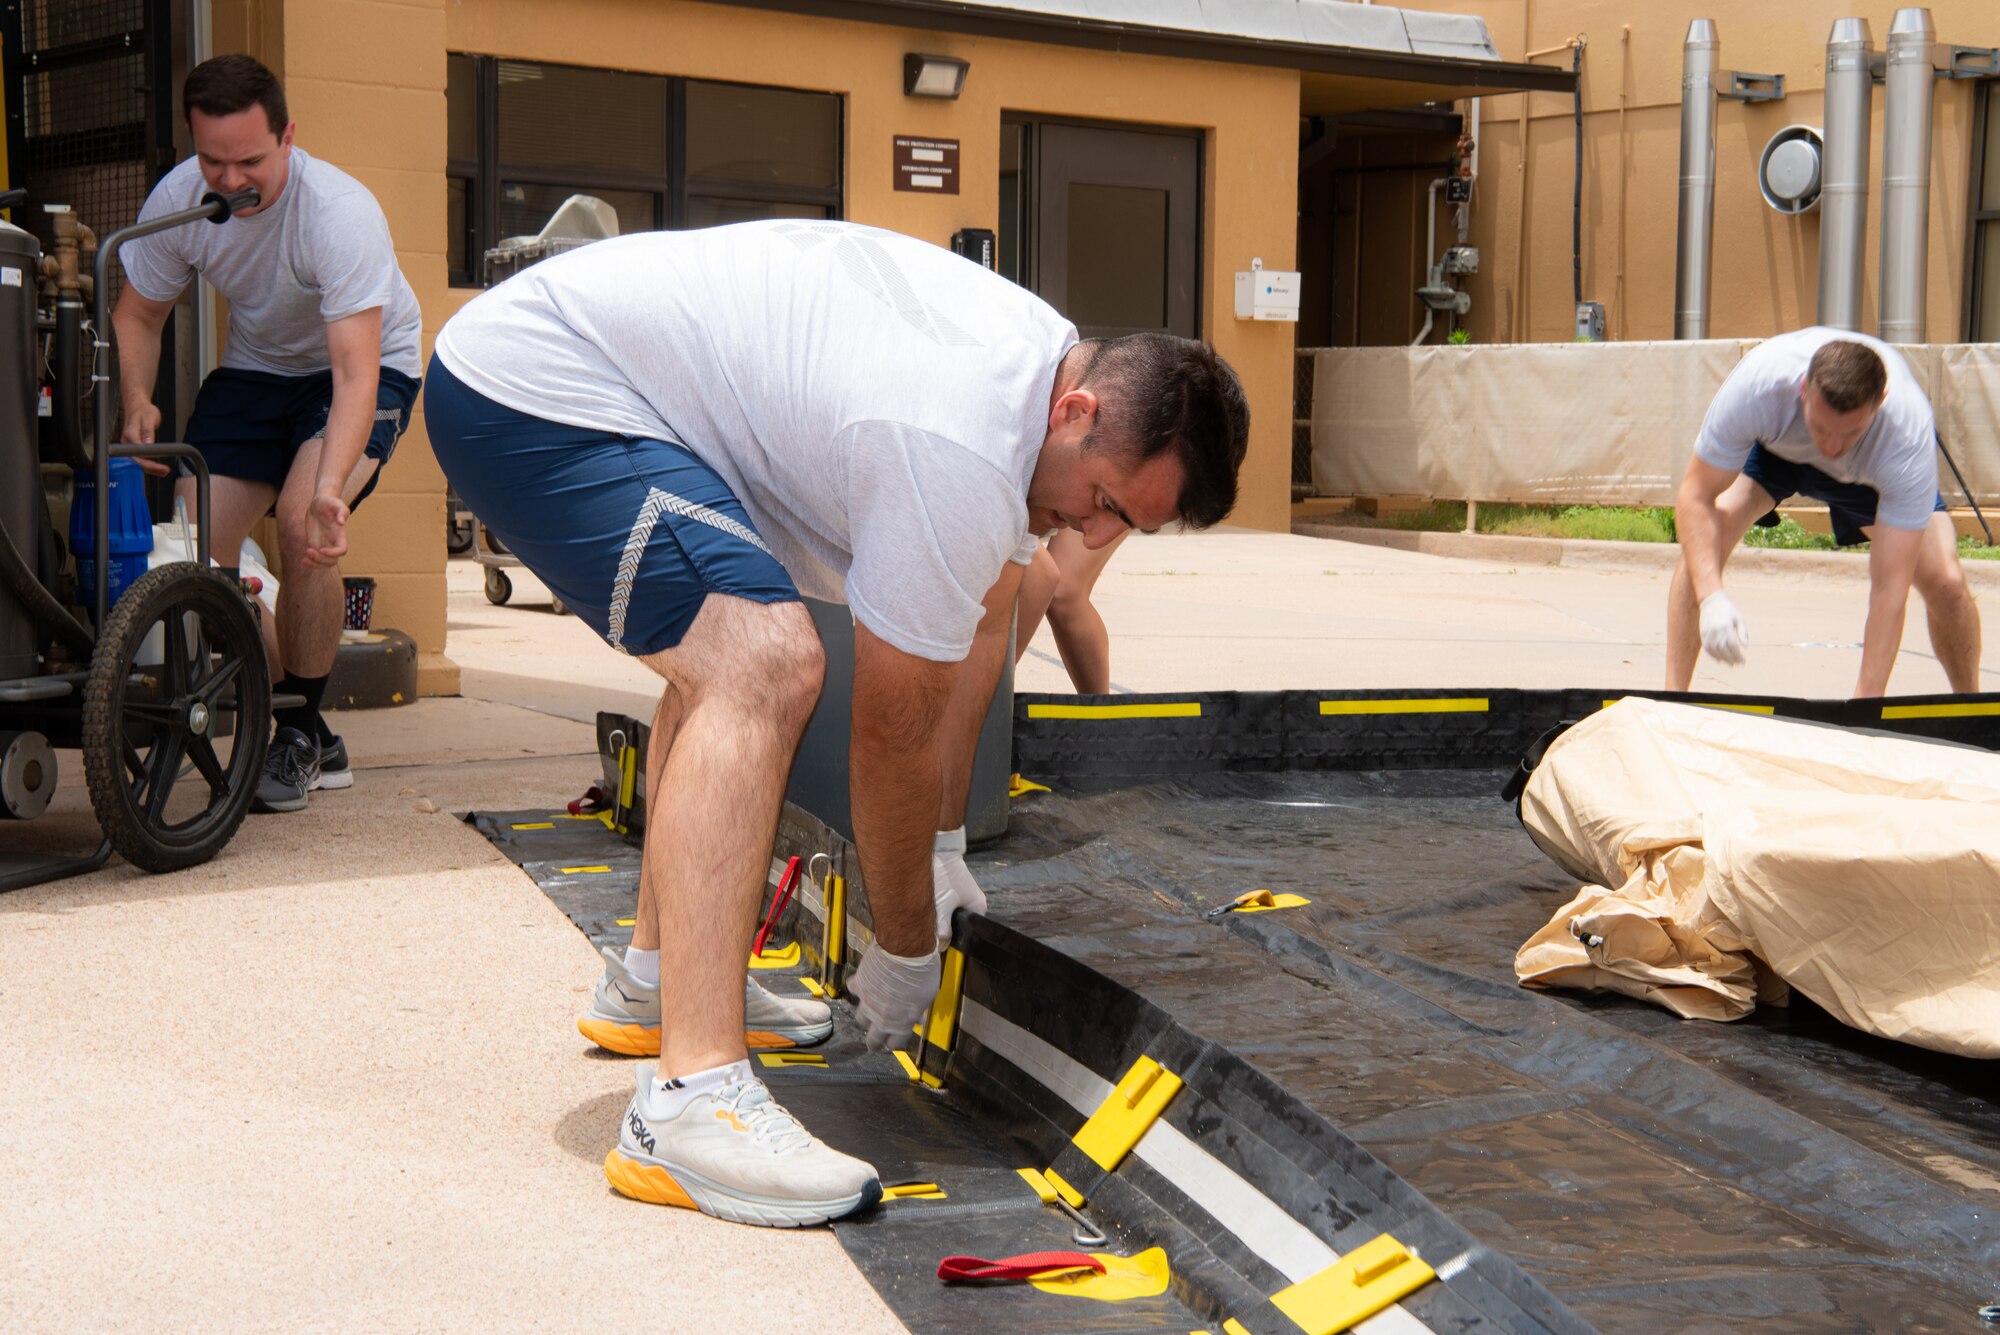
point(928, 165)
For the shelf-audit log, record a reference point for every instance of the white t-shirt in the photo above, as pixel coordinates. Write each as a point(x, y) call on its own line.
point(321, 253)
point(1759, 404)
point(875, 402)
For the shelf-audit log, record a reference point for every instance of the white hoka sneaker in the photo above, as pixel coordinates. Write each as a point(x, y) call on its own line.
point(624, 1016)
point(736, 1154)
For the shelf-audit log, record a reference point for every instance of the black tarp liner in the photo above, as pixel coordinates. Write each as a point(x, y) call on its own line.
point(1782, 1173)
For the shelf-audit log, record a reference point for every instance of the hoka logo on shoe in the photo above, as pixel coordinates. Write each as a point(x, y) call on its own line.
point(639, 1131)
point(724, 1115)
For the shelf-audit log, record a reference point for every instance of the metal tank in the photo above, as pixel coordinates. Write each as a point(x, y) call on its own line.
point(1843, 200)
point(1696, 235)
point(20, 474)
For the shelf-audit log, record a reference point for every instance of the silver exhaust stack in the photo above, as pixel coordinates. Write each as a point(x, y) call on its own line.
point(1695, 245)
point(1906, 175)
point(1843, 209)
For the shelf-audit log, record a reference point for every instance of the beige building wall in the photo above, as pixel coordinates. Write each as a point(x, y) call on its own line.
point(1766, 265)
point(366, 81)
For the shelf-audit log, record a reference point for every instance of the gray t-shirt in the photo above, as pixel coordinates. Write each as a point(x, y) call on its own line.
point(875, 402)
point(1759, 404)
point(320, 254)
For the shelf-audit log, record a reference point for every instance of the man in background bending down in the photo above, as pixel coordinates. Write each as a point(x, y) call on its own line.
point(1836, 416)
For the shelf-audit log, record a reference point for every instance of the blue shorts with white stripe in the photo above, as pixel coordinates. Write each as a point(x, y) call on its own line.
point(632, 534)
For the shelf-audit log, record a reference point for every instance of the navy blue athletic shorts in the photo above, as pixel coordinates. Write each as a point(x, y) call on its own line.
point(632, 534)
point(250, 424)
point(1850, 505)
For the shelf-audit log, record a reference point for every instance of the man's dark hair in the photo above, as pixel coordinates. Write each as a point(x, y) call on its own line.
point(229, 84)
point(1848, 375)
point(1155, 393)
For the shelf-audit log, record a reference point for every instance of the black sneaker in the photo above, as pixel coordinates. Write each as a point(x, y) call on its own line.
point(333, 770)
point(290, 771)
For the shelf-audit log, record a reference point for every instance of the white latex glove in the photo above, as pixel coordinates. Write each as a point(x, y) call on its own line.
point(952, 887)
point(892, 993)
point(1723, 633)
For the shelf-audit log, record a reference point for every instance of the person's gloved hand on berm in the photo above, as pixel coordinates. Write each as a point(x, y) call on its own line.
point(952, 886)
point(1723, 633)
point(893, 992)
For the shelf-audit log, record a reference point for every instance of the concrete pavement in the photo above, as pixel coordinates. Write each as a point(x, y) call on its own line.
point(331, 1080)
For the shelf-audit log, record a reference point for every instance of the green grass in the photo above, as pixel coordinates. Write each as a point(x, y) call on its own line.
point(1602, 523)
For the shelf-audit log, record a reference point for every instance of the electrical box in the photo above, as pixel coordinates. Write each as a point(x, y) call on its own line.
point(1461, 259)
point(1590, 322)
point(1458, 190)
point(1267, 294)
point(976, 244)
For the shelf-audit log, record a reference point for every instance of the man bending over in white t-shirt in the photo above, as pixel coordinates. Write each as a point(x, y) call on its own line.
point(680, 431)
point(1836, 416)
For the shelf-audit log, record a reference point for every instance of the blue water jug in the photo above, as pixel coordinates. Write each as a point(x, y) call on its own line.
point(131, 529)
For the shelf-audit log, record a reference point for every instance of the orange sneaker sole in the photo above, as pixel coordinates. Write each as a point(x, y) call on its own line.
point(632, 1040)
point(645, 1182)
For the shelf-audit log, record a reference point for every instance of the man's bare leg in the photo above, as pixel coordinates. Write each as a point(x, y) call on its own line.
point(311, 602)
point(1949, 605)
point(744, 680)
point(659, 743)
point(1739, 507)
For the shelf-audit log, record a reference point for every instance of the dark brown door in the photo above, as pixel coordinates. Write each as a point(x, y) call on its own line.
point(1116, 218)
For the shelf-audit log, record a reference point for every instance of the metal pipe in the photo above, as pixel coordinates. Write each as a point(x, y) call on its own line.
point(1906, 174)
point(1696, 236)
point(1843, 200)
point(1433, 273)
point(215, 208)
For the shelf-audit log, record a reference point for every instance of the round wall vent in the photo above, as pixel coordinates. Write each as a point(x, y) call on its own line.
point(1788, 173)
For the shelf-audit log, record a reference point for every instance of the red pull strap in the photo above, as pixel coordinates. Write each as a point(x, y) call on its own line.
point(958, 1269)
point(786, 884)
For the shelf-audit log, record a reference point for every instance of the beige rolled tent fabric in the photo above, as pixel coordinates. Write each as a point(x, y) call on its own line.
point(1728, 856)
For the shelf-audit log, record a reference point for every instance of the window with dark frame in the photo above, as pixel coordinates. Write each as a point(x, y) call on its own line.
point(662, 151)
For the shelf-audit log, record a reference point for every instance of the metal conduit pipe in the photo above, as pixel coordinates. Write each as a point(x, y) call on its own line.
point(1697, 193)
point(1843, 201)
point(1906, 174)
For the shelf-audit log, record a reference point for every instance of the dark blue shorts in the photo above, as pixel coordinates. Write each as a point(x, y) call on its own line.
point(632, 534)
point(1850, 505)
point(250, 424)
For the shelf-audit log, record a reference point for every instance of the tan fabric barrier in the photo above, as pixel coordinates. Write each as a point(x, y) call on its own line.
point(1597, 423)
point(1730, 855)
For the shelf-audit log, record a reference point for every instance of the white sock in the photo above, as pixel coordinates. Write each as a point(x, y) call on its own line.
point(667, 1099)
point(950, 841)
point(643, 965)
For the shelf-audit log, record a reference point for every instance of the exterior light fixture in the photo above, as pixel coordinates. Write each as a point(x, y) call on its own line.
point(934, 76)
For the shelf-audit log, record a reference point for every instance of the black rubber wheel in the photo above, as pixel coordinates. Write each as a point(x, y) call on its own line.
point(556, 606)
point(458, 535)
point(498, 587)
point(168, 789)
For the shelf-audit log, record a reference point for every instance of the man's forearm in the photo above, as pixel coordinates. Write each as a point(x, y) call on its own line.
point(1882, 640)
point(138, 357)
point(972, 696)
point(348, 424)
point(894, 795)
point(1697, 525)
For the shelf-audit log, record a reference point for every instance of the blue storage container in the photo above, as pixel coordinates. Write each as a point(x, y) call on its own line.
point(131, 529)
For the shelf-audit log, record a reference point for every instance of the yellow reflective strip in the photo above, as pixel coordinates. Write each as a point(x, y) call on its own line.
point(909, 1065)
point(1443, 704)
point(812, 985)
point(914, 1191)
point(791, 1059)
point(535, 825)
point(1176, 709)
point(625, 922)
point(1940, 711)
point(628, 776)
point(579, 871)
